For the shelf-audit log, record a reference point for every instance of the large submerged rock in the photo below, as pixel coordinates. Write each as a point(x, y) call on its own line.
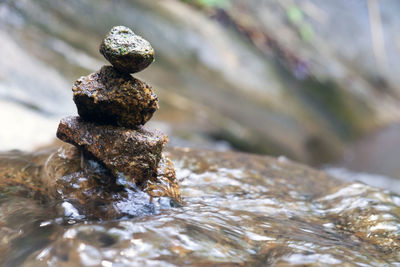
point(132, 153)
point(237, 209)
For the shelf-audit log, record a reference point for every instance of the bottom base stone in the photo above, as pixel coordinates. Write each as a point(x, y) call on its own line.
point(89, 187)
point(133, 153)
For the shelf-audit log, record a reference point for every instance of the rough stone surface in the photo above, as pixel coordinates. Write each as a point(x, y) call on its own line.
point(126, 51)
point(110, 97)
point(165, 183)
point(96, 194)
point(62, 173)
point(133, 153)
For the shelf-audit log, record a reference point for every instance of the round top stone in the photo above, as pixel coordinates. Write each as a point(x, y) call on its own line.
point(126, 51)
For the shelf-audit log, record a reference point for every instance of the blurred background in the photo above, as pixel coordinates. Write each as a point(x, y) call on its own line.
point(315, 81)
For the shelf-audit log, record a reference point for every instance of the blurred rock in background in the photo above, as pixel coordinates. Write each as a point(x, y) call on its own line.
point(301, 78)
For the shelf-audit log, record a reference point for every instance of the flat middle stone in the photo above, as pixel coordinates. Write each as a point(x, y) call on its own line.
point(133, 153)
point(111, 97)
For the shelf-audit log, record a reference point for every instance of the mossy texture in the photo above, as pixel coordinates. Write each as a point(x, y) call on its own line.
point(126, 51)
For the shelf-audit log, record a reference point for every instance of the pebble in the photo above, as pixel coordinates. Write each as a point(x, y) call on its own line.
point(126, 51)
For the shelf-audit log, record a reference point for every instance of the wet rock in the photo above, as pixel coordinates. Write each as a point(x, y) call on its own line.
point(110, 97)
point(237, 210)
point(133, 153)
point(123, 157)
point(20, 175)
point(85, 188)
point(126, 51)
point(165, 183)
point(96, 194)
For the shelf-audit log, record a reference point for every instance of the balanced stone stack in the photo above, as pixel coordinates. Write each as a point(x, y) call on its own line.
point(113, 106)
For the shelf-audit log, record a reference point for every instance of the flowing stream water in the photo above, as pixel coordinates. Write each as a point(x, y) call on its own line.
point(238, 210)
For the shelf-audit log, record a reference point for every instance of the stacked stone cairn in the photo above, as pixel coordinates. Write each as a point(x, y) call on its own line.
point(113, 106)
